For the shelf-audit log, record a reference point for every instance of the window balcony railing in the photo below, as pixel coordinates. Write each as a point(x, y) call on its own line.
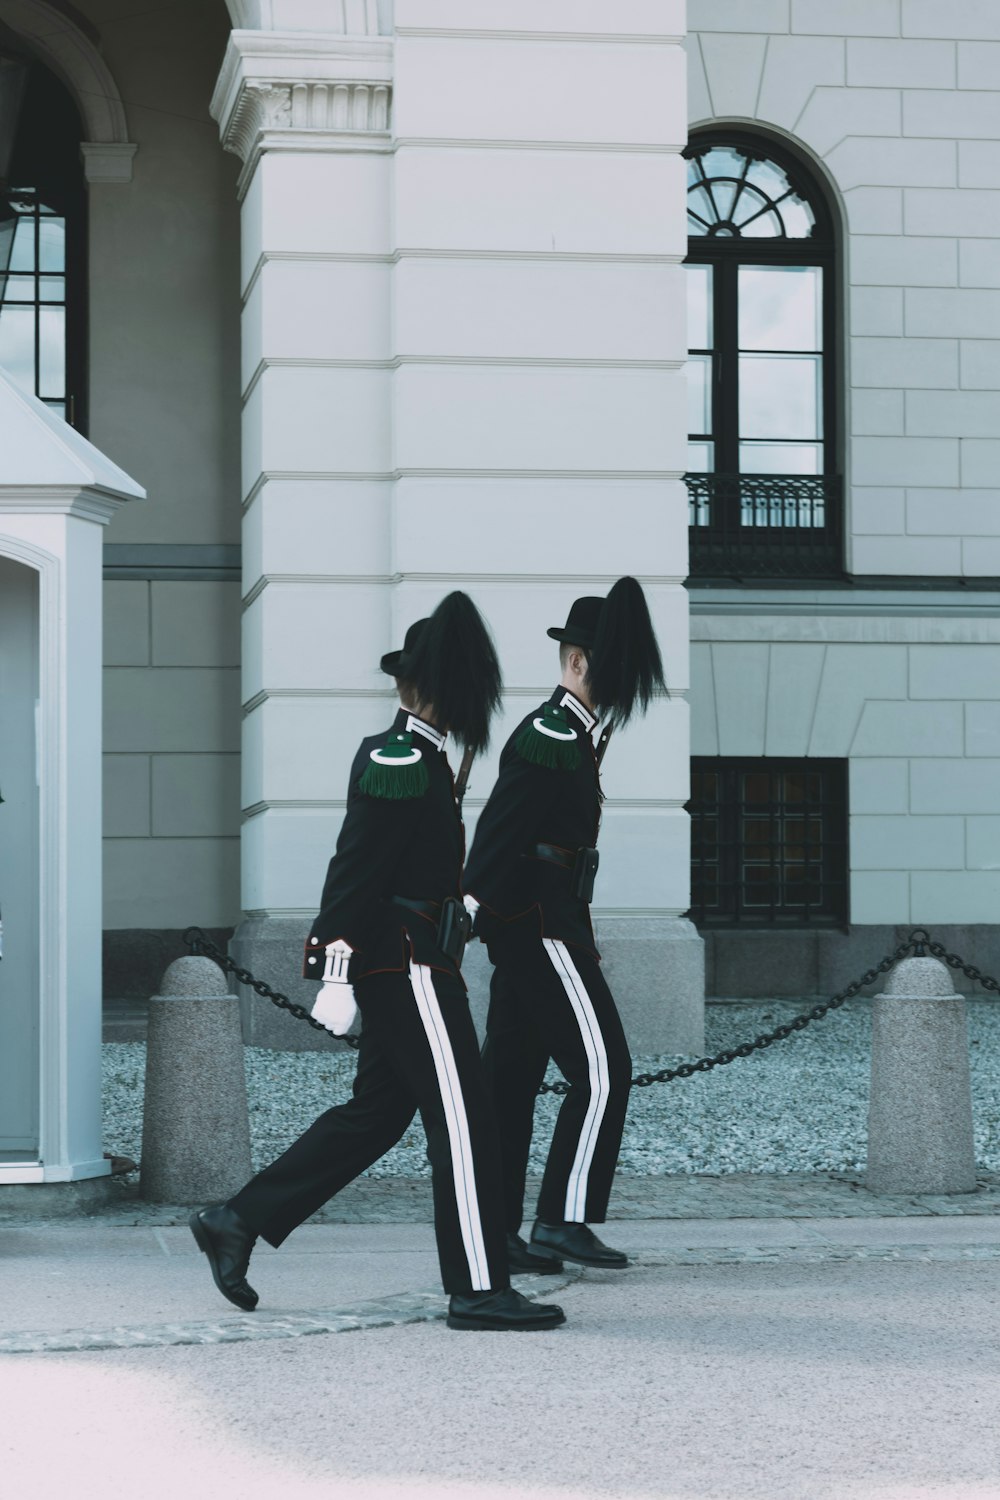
point(765, 526)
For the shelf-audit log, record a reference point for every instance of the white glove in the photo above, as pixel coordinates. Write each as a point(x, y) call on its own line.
point(471, 904)
point(335, 1005)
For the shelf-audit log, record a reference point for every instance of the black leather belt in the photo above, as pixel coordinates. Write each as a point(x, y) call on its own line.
point(422, 908)
point(553, 855)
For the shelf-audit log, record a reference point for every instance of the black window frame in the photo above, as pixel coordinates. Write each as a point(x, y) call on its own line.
point(726, 851)
point(721, 544)
point(46, 168)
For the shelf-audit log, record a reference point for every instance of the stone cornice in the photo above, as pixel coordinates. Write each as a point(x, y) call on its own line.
point(303, 92)
point(93, 503)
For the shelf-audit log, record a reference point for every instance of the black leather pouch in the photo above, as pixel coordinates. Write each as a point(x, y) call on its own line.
point(585, 873)
point(454, 927)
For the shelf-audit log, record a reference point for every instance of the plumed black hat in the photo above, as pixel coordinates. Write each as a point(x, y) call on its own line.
point(581, 623)
point(451, 664)
point(397, 662)
point(624, 665)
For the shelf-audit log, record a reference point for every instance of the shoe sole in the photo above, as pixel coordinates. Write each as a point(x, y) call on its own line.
point(205, 1246)
point(539, 1267)
point(496, 1325)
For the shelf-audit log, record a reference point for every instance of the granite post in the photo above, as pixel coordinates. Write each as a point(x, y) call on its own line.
point(196, 1132)
point(920, 1109)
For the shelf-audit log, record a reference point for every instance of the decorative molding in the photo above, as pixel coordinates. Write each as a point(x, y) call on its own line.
point(330, 109)
point(353, 17)
point(92, 502)
point(290, 92)
point(108, 161)
point(72, 55)
point(601, 38)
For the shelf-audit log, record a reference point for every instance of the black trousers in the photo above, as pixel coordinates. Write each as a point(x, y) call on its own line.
point(418, 1051)
point(549, 1000)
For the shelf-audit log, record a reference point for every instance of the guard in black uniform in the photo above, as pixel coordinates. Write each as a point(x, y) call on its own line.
point(389, 936)
point(529, 881)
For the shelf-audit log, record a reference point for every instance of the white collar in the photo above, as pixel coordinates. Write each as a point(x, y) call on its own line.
point(570, 701)
point(419, 726)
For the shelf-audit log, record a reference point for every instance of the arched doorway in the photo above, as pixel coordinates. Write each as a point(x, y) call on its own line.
point(19, 886)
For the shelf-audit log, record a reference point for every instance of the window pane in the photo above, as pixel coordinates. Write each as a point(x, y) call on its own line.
point(52, 351)
point(780, 307)
point(780, 396)
point(767, 226)
point(17, 345)
point(19, 289)
point(723, 161)
point(699, 306)
point(59, 407)
point(725, 191)
point(769, 177)
point(51, 288)
point(22, 256)
point(700, 203)
point(51, 245)
point(783, 458)
point(701, 460)
point(798, 218)
point(699, 378)
point(751, 202)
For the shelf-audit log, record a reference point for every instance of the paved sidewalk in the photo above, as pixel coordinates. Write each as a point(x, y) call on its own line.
point(791, 1354)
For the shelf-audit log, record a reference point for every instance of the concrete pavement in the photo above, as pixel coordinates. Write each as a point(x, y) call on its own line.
point(813, 1358)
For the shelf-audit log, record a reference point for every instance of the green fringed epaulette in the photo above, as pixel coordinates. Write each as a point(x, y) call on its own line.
point(550, 741)
point(395, 771)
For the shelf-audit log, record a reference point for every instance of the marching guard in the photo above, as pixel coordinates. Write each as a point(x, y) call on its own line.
point(388, 940)
point(529, 882)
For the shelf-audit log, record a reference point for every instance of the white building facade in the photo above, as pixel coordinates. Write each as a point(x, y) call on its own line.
point(380, 301)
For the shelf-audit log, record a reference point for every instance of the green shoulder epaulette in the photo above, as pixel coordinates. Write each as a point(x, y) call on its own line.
point(550, 741)
point(396, 770)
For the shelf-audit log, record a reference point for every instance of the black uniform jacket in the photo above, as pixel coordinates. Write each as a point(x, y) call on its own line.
point(407, 846)
point(521, 896)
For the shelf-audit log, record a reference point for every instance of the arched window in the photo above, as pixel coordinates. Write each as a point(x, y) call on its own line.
point(763, 452)
point(43, 294)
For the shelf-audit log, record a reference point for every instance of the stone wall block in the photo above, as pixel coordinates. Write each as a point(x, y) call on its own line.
point(196, 1134)
point(920, 1136)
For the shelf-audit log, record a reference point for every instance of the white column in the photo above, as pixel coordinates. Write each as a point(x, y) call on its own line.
point(539, 401)
point(309, 116)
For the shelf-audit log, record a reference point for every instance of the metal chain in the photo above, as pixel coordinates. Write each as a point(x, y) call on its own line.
point(200, 942)
point(918, 943)
point(767, 1038)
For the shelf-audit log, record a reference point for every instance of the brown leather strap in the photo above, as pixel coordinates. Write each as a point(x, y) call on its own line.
point(422, 908)
point(462, 779)
point(553, 855)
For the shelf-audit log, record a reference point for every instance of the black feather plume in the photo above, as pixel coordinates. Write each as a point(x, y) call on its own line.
point(625, 664)
point(454, 668)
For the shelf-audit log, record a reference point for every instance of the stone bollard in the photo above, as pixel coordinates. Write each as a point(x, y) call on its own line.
point(920, 1110)
point(195, 1129)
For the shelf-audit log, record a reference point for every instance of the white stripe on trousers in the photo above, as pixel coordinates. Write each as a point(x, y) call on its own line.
point(450, 1087)
point(600, 1083)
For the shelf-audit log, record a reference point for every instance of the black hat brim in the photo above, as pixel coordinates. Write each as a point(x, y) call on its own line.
point(395, 663)
point(577, 637)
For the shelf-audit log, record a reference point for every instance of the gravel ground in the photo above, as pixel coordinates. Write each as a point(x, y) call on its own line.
point(799, 1107)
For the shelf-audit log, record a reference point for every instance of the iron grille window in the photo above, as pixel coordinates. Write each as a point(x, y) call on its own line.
point(762, 467)
point(768, 842)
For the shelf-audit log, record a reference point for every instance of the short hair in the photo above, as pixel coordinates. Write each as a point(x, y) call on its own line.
point(407, 694)
point(566, 648)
